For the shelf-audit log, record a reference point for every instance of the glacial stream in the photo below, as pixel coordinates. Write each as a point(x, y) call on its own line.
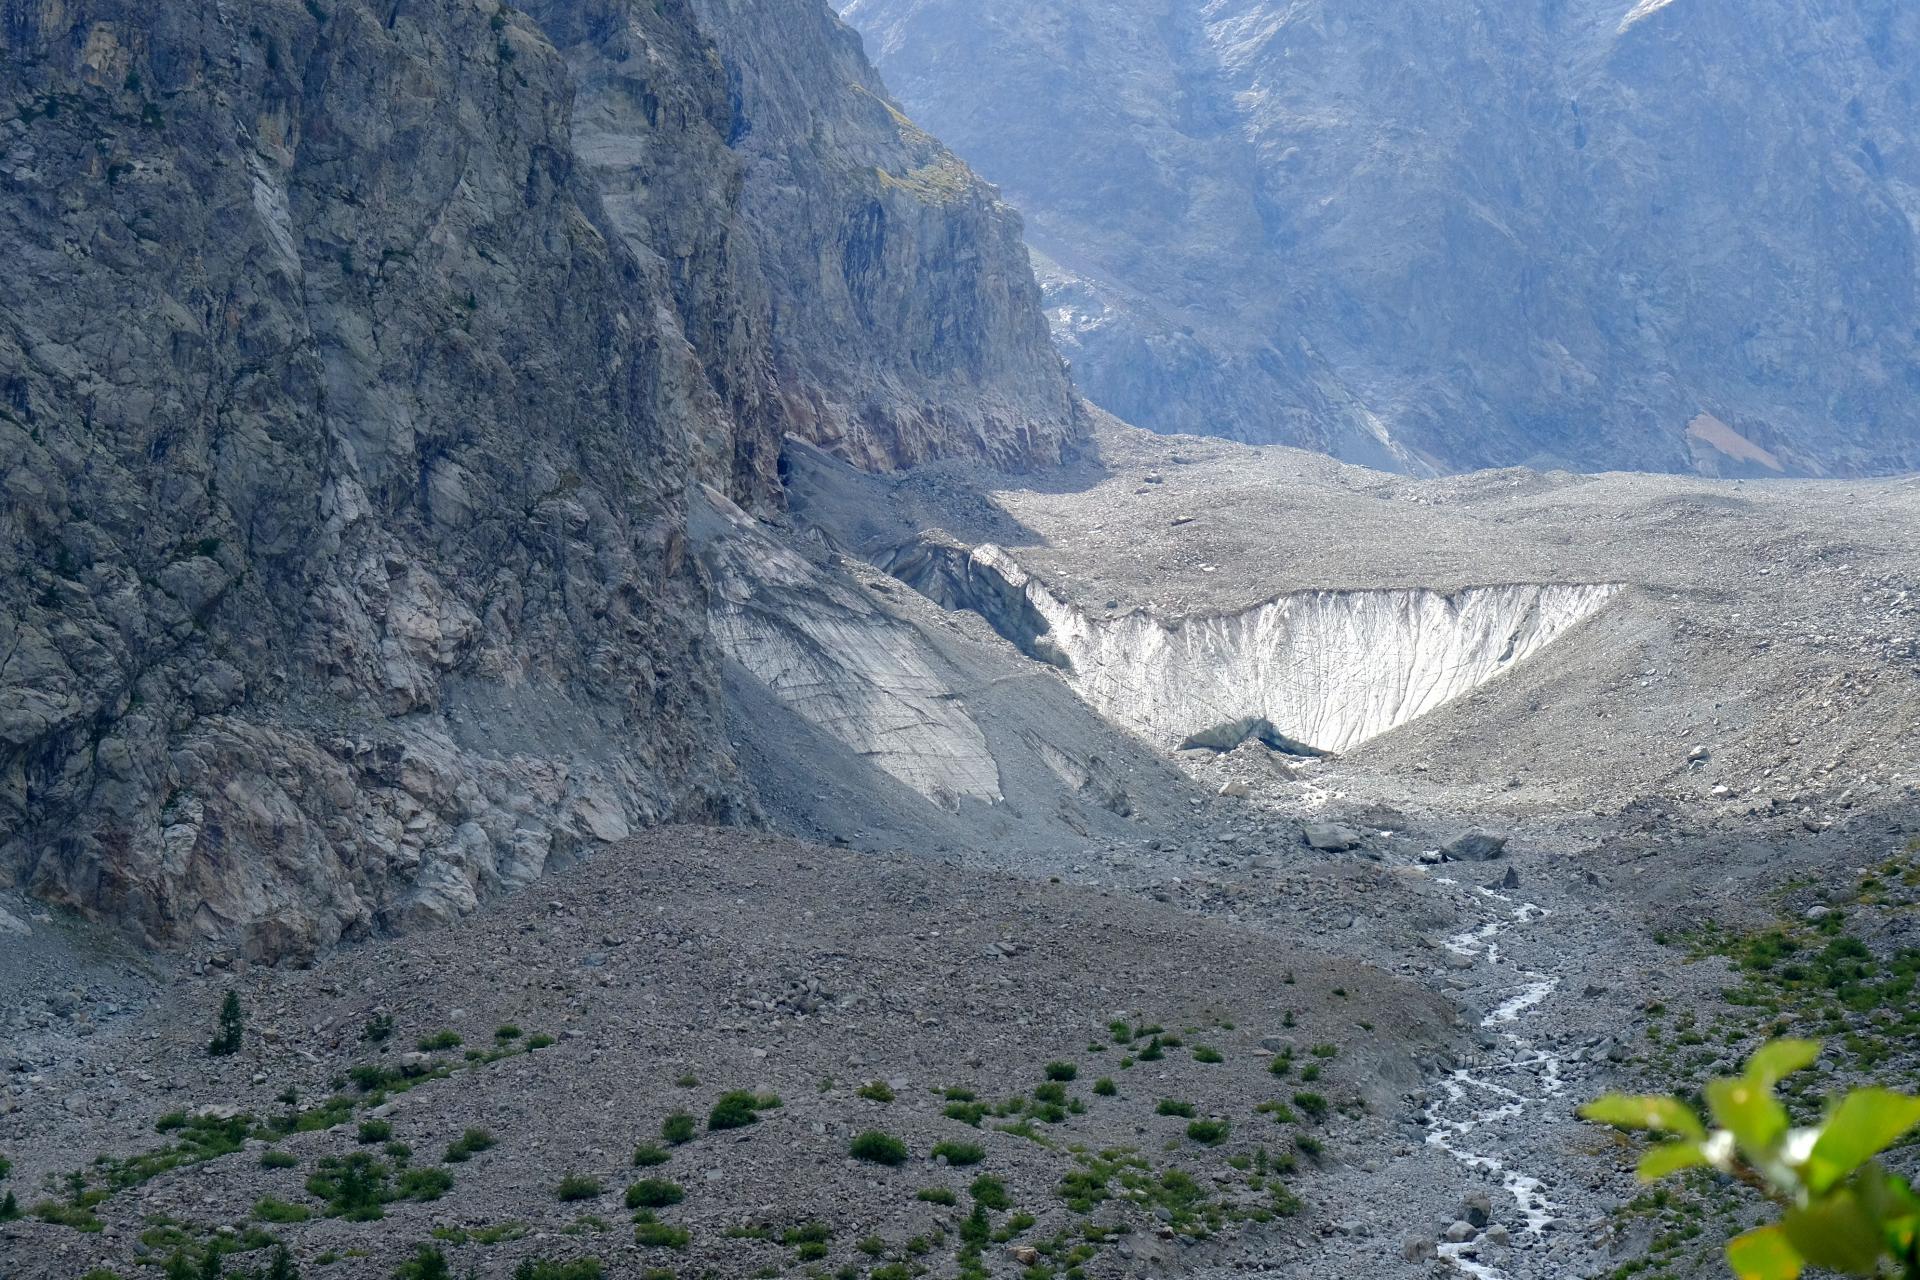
point(1515, 1078)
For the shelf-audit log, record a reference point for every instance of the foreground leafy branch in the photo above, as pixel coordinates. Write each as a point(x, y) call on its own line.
point(1840, 1209)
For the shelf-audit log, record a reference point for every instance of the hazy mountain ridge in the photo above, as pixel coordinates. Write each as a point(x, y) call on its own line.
point(1464, 234)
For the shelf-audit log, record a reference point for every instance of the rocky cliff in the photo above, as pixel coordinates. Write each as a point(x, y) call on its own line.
point(887, 286)
point(351, 390)
point(1595, 233)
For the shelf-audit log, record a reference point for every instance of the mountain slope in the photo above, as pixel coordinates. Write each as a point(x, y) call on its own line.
point(348, 416)
point(1453, 235)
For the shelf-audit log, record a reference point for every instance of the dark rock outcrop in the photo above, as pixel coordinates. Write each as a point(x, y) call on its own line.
point(1443, 234)
point(885, 288)
point(350, 397)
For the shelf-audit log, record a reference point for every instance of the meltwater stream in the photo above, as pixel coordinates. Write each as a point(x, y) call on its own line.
point(1517, 1077)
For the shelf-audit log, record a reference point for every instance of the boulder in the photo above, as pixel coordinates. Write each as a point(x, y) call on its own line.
point(1476, 846)
point(1329, 837)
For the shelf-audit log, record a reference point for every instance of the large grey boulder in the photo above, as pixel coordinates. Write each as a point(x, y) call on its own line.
point(1329, 837)
point(1476, 846)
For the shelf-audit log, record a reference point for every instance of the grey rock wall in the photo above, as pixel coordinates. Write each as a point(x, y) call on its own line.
point(356, 360)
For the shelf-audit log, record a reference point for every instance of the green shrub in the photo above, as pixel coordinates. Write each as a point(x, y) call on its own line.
point(1209, 1133)
point(990, 1192)
point(577, 1186)
point(1840, 1209)
point(677, 1128)
point(1052, 1093)
point(372, 1131)
point(1312, 1104)
point(539, 1040)
point(506, 1032)
point(937, 1195)
point(1062, 1071)
point(877, 1148)
point(660, 1235)
point(1282, 1064)
point(468, 1145)
point(966, 1112)
point(1208, 1054)
point(439, 1040)
point(1153, 1052)
point(1168, 1107)
point(268, 1209)
point(354, 1188)
point(1105, 1087)
point(427, 1263)
point(543, 1269)
point(876, 1091)
point(78, 1217)
point(9, 1208)
point(1120, 1032)
point(735, 1110)
point(960, 1154)
point(423, 1184)
point(654, 1193)
point(1325, 1051)
point(378, 1029)
point(274, 1158)
point(646, 1155)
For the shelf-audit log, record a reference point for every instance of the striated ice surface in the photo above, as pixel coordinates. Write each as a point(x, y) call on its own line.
point(1330, 669)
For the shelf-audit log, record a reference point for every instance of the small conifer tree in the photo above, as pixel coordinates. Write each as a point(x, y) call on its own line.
point(233, 1021)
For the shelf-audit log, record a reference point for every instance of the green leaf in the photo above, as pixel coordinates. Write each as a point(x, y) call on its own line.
point(1645, 1111)
point(1866, 1122)
point(1764, 1253)
point(1774, 1061)
point(1892, 1203)
point(1836, 1232)
point(1670, 1157)
point(1749, 1111)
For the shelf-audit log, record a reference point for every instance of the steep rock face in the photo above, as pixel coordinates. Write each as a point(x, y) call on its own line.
point(350, 397)
point(906, 322)
point(343, 460)
point(884, 286)
point(1448, 235)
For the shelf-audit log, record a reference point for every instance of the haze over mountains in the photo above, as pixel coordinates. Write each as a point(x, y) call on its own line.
point(1456, 234)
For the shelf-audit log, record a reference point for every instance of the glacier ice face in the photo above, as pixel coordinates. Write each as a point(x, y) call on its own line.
point(1326, 669)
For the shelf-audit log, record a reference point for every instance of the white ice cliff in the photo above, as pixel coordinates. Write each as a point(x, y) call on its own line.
point(1326, 669)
